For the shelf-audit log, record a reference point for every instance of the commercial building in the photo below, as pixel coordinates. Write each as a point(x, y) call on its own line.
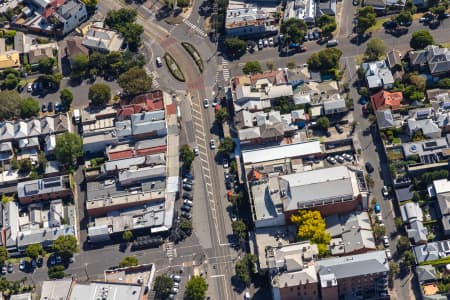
point(249, 21)
point(102, 40)
point(56, 289)
point(106, 291)
point(44, 189)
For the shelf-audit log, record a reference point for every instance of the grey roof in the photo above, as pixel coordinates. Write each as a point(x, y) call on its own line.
point(426, 273)
point(411, 212)
point(43, 236)
point(102, 39)
point(43, 186)
point(139, 174)
point(123, 128)
point(384, 118)
point(393, 58)
point(7, 146)
point(56, 289)
point(150, 143)
point(68, 9)
point(29, 142)
point(424, 148)
point(52, 166)
point(354, 265)
point(115, 291)
point(377, 74)
point(438, 59)
point(24, 296)
point(317, 186)
point(432, 251)
point(334, 104)
point(417, 232)
point(101, 230)
point(119, 164)
point(428, 127)
point(147, 127)
point(33, 128)
point(148, 122)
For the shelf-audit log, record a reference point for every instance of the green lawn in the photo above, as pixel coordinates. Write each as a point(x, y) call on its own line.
point(378, 25)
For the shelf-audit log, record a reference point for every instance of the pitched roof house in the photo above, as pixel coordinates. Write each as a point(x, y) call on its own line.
point(378, 75)
point(436, 59)
point(385, 100)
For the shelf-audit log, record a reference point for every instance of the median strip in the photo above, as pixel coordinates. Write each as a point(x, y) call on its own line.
point(173, 67)
point(194, 54)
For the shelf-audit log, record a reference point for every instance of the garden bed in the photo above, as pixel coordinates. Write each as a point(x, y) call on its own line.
point(194, 54)
point(173, 67)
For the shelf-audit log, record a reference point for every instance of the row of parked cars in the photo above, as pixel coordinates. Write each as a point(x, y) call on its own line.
point(176, 285)
point(340, 158)
point(188, 198)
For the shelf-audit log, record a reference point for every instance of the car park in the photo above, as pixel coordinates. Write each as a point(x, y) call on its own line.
point(386, 241)
point(385, 191)
point(369, 167)
point(186, 215)
point(212, 144)
point(188, 202)
point(188, 196)
point(205, 103)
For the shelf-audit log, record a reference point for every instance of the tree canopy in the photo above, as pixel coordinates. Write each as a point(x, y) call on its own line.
point(4, 255)
point(444, 83)
point(404, 17)
point(65, 246)
point(252, 67)
point(99, 94)
point(226, 146)
point(323, 122)
point(46, 65)
point(245, 267)
point(69, 147)
point(418, 81)
point(127, 235)
point(187, 156)
point(235, 46)
point(66, 97)
point(375, 49)
point(34, 250)
point(222, 115)
point(327, 24)
point(162, 286)
point(294, 30)
point(196, 288)
point(79, 64)
point(129, 261)
point(135, 81)
point(365, 18)
point(420, 39)
point(10, 81)
point(325, 60)
point(29, 107)
point(124, 21)
point(240, 228)
point(312, 227)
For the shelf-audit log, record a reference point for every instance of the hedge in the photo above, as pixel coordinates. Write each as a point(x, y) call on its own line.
point(173, 67)
point(194, 54)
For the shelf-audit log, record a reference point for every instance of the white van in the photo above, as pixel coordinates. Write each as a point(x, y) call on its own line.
point(332, 43)
point(76, 116)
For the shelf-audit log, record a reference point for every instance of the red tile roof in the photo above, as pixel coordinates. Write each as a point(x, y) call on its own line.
point(126, 111)
point(384, 99)
point(171, 109)
point(153, 150)
point(275, 77)
point(150, 101)
point(121, 154)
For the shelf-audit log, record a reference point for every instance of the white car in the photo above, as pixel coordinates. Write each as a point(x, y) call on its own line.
point(386, 241)
point(205, 103)
point(225, 163)
point(30, 88)
point(388, 254)
point(174, 290)
point(247, 296)
point(265, 42)
point(158, 61)
point(331, 160)
point(271, 44)
point(188, 202)
point(22, 265)
point(347, 157)
point(260, 44)
point(212, 144)
point(339, 158)
point(195, 150)
point(385, 191)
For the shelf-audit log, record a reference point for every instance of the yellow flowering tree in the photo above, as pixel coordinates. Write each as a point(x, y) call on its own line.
point(311, 226)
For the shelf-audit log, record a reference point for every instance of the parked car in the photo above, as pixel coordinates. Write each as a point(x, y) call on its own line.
point(10, 268)
point(33, 264)
point(225, 163)
point(331, 160)
point(332, 43)
point(327, 133)
point(228, 184)
point(233, 217)
point(185, 207)
point(212, 144)
point(385, 191)
point(188, 196)
point(386, 241)
point(339, 128)
point(188, 176)
point(176, 285)
point(247, 296)
point(188, 181)
point(174, 290)
point(44, 108)
point(316, 35)
point(188, 202)
point(186, 215)
point(158, 62)
point(58, 259)
point(4, 270)
point(187, 187)
point(265, 42)
point(377, 208)
point(22, 265)
point(271, 44)
point(195, 150)
point(40, 262)
point(30, 88)
point(50, 107)
point(52, 260)
point(339, 158)
point(388, 254)
point(175, 278)
point(205, 103)
point(369, 167)
point(260, 44)
point(347, 157)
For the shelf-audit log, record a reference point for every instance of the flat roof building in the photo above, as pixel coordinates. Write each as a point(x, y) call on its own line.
point(44, 189)
point(56, 289)
point(106, 291)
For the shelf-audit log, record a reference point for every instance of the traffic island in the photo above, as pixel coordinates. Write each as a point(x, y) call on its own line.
point(173, 67)
point(194, 54)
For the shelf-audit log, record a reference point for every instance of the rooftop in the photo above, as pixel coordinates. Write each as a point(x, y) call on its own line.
point(106, 291)
point(56, 289)
point(43, 186)
point(141, 274)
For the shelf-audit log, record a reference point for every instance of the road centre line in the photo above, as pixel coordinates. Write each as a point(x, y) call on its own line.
point(215, 276)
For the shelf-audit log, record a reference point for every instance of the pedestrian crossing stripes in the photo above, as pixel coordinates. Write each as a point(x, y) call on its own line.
point(154, 75)
point(225, 70)
point(195, 28)
point(170, 250)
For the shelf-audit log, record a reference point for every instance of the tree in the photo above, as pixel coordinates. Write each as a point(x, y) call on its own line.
point(240, 229)
point(226, 146)
point(323, 122)
point(235, 46)
point(312, 227)
point(129, 261)
point(444, 83)
point(69, 147)
point(9, 104)
point(420, 39)
point(325, 60)
point(25, 166)
point(365, 19)
point(186, 226)
point(65, 246)
point(132, 34)
point(404, 17)
point(327, 24)
point(28, 108)
point(127, 236)
point(124, 21)
point(245, 267)
point(4, 255)
point(42, 160)
point(291, 65)
point(378, 231)
point(252, 67)
point(375, 49)
point(408, 258)
point(56, 272)
point(10, 81)
point(46, 65)
point(163, 285)
point(99, 94)
point(438, 10)
point(98, 60)
point(222, 115)
point(135, 81)
point(418, 81)
point(196, 288)
point(90, 5)
point(398, 223)
point(186, 156)
point(394, 268)
point(294, 30)
point(403, 244)
point(66, 98)
point(34, 250)
point(79, 64)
